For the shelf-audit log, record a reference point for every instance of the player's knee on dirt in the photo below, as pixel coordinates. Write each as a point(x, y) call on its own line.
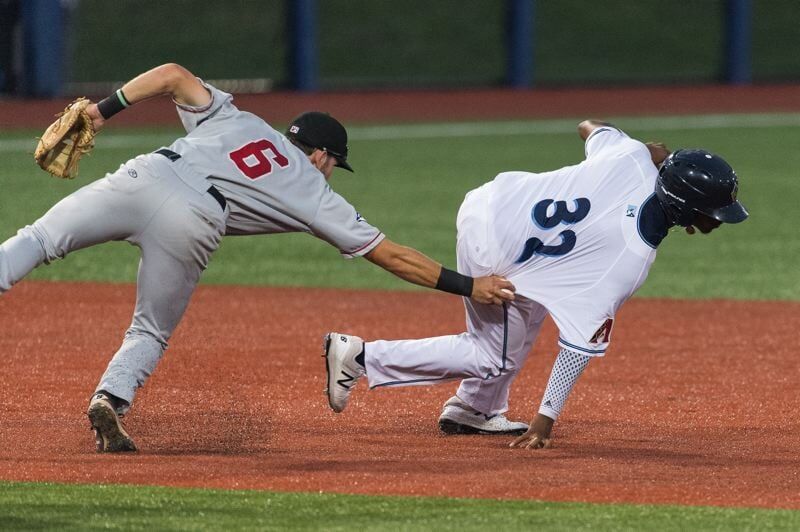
point(516, 355)
point(495, 364)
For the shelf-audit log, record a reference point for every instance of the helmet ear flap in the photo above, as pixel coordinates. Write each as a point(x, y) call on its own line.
point(676, 213)
point(673, 205)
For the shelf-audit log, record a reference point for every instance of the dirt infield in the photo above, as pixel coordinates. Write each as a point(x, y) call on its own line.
point(696, 402)
point(486, 104)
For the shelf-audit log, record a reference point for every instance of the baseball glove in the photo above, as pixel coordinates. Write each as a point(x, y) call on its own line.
point(66, 140)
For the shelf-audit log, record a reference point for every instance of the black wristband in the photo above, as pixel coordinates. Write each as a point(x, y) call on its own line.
point(112, 105)
point(454, 282)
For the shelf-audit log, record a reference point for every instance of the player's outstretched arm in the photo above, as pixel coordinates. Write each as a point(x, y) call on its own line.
point(169, 79)
point(412, 266)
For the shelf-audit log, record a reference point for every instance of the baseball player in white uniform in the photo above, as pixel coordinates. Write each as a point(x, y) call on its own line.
point(576, 243)
point(231, 174)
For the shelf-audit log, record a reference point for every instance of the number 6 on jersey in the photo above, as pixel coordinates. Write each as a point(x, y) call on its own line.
point(252, 159)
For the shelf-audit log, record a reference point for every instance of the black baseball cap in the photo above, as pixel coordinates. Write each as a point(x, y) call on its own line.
point(321, 131)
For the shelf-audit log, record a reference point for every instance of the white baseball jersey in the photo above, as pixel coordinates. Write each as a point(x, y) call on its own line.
point(576, 243)
point(270, 184)
point(575, 240)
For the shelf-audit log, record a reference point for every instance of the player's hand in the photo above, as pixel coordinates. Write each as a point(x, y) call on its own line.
point(537, 436)
point(492, 290)
point(658, 152)
point(97, 119)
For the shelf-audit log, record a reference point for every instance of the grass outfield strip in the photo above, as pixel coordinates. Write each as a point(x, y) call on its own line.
point(477, 129)
point(36, 506)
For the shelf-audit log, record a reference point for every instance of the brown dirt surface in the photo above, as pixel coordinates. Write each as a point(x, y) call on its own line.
point(443, 105)
point(695, 403)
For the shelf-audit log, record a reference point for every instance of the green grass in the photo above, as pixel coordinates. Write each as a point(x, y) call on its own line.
point(32, 506)
point(411, 188)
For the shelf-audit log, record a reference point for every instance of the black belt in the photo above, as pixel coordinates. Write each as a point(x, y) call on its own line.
point(172, 156)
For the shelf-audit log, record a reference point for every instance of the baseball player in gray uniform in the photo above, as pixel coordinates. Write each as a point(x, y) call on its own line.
point(231, 174)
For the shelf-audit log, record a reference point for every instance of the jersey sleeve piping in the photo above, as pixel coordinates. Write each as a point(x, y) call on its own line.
point(593, 134)
point(591, 352)
point(366, 248)
point(598, 130)
point(190, 109)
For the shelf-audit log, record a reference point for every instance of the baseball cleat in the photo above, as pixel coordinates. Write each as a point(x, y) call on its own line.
point(343, 371)
point(459, 418)
point(110, 435)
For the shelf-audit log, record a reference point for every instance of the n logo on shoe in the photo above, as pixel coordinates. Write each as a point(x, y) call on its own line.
point(347, 382)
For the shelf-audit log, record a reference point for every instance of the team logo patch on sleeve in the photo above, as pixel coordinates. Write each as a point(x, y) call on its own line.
point(603, 334)
point(360, 218)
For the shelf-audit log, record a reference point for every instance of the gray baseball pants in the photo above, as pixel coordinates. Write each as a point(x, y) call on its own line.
point(154, 204)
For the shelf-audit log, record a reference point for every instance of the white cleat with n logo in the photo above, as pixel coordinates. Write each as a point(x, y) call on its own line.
point(459, 418)
point(340, 352)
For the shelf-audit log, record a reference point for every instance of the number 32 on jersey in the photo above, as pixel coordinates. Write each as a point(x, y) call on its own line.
point(549, 222)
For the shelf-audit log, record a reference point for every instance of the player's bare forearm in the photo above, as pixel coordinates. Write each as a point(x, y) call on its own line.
point(658, 152)
point(412, 266)
point(169, 79)
point(586, 127)
point(406, 263)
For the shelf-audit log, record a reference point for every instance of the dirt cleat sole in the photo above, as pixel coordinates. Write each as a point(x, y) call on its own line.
point(459, 418)
point(110, 435)
point(340, 352)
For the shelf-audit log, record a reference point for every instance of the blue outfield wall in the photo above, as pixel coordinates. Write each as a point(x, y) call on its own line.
point(43, 47)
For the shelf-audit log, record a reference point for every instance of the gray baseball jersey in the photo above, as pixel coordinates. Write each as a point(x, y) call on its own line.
point(163, 203)
point(270, 184)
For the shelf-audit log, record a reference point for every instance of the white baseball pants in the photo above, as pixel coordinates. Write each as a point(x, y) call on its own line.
point(488, 356)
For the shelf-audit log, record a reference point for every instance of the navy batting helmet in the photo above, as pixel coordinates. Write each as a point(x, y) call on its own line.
point(692, 181)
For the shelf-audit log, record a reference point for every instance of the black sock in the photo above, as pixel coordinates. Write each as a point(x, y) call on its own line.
point(360, 358)
point(116, 402)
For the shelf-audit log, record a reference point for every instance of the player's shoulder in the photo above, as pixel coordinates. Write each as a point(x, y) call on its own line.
point(610, 141)
point(608, 131)
point(605, 135)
